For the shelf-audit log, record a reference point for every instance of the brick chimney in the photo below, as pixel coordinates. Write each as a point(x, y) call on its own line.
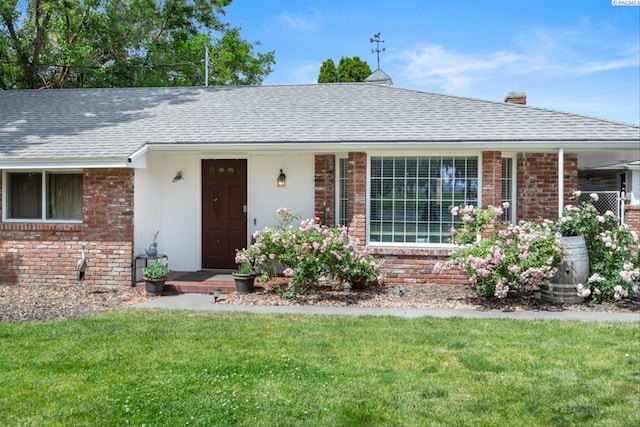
point(516, 98)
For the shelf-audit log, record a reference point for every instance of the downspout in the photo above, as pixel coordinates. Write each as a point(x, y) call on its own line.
point(560, 181)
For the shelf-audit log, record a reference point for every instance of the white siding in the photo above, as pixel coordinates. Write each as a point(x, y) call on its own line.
point(175, 208)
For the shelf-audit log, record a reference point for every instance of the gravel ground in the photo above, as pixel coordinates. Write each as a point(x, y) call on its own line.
point(418, 296)
point(20, 303)
point(46, 303)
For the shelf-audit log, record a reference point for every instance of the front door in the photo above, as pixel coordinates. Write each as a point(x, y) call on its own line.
point(224, 211)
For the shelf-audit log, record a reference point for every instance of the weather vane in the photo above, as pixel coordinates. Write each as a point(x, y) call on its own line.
point(377, 50)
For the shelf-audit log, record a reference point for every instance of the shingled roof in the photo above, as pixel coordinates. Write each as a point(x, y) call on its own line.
point(112, 124)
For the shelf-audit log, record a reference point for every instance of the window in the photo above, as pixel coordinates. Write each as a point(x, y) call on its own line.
point(411, 197)
point(343, 195)
point(507, 189)
point(52, 196)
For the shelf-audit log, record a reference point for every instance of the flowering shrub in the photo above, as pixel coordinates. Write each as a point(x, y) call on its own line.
point(474, 222)
point(518, 257)
point(309, 252)
point(512, 258)
point(614, 258)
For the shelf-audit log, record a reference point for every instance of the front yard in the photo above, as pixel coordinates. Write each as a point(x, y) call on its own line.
point(141, 367)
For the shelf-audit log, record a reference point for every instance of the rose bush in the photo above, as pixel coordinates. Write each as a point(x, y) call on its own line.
point(614, 257)
point(519, 257)
point(512, 258)
point(308, 252)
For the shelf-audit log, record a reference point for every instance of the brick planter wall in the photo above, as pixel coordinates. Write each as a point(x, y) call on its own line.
point(47, 254)
point(415, 266)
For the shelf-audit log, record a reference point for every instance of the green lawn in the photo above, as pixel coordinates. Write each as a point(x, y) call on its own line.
point(154, 368)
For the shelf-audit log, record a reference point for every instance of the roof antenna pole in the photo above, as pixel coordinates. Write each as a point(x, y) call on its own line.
point(206, 66)
point(377, 50)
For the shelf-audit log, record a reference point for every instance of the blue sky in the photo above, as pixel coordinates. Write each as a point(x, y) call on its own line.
point(579, 56)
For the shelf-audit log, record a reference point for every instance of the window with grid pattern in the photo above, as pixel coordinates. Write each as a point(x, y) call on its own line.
point(343, 195)
point(411, 196)
point(507, 188)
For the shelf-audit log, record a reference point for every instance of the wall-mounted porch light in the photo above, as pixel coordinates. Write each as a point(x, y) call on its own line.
point(282, 179)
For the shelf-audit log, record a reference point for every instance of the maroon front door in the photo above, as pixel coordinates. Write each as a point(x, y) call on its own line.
point(224, 212)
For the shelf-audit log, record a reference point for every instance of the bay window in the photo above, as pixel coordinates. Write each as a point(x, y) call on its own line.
point(411, 196)
point(43, 196)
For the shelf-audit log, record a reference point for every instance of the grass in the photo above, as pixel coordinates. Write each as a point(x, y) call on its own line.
point(157, 368)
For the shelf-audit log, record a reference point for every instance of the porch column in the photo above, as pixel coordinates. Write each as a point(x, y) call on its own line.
point(560, 181)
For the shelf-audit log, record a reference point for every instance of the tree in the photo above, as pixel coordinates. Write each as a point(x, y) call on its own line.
point(328, 72)
point(353, 70)
point(349, 70)
point(111, 43)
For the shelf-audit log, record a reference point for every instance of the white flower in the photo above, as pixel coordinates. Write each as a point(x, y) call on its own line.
point(620, 292)
point(594, 197)
point(595, 278)
point(582, 291)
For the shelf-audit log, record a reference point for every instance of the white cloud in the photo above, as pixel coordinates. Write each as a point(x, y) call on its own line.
point(543, 52)
point(300, 22)
point(303, 73)
point(436, 65)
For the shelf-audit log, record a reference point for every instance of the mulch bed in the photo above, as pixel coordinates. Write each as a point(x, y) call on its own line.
point(20, 303)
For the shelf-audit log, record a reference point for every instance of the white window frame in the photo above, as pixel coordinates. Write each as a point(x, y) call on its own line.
point(338, 192)
point(43, 213)
point(513, 208)
point(435, 153)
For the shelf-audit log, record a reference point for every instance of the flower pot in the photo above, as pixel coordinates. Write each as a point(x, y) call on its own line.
point(244, 282)
point(154, 287)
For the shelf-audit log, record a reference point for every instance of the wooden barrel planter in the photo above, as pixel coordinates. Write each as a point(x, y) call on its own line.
point(573, 270)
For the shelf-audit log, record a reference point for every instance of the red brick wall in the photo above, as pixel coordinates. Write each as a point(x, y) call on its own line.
point(491, 178)
point(537, 190)
point(538, 184)
point(325, 188)
point(357, 178)
point(415, 266)
point(46, 254)
point(632, 218)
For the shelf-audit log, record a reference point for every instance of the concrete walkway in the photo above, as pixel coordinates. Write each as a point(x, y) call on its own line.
point(206, 302)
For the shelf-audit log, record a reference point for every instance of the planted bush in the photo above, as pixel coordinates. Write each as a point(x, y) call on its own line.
point(519, 257)
point(308, 252)
point(614, 257)
point(513, 258)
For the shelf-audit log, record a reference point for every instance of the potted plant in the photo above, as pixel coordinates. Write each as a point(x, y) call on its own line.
point(154, 276)
point(244, 278)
